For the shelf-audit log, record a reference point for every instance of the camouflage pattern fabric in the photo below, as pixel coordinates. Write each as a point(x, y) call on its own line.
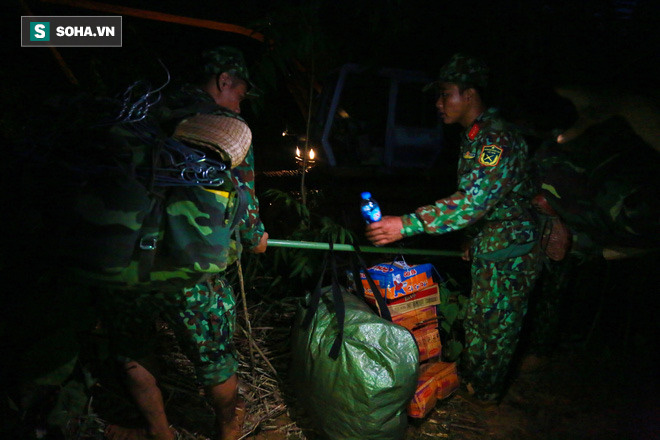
point(546, 302)
point(115, 214)
point(495, 314)
point(193, 237)
point(463, 70)
point(208, 323)
point(492, 204)
point(203, 318)
point(225, 59)
point(251, 228)
point(231, 60)
point(203, 315)
point(201, 312)
point(493, 193)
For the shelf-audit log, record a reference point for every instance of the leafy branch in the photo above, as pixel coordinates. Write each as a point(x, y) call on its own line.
point(451, 313)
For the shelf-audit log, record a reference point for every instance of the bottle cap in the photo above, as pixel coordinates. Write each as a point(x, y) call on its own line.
point(366, 195)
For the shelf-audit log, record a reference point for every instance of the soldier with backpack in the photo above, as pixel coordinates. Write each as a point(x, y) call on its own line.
point(202, 315)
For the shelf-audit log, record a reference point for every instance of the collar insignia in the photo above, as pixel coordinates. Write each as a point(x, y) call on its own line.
point(490, 155)
point(474, 131)
point(469, 155)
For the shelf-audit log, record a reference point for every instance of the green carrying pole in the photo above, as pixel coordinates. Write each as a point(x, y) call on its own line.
point(369, 249)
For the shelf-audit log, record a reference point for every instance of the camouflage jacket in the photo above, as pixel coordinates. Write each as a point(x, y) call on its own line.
point(492, 199)
point(250, 229)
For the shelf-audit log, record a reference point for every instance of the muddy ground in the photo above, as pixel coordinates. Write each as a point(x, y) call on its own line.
point(599, 383)
point(588, 388)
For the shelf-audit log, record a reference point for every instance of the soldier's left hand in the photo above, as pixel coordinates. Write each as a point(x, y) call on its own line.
point(385, 231)
point(465, 247)
point(263, 244)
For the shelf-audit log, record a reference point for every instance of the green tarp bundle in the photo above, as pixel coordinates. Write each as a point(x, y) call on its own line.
point(363, 394)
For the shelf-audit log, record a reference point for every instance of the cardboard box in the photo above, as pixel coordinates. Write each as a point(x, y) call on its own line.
point(447, 379)
point(430, 296)
point(397, 279)
point(428, 341)
point(426, 394)
point(416, 318)
point(445, 376)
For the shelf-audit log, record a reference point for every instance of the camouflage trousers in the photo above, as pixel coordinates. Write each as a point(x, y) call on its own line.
point(494, 319)
point(203, 319)
point(546, 303)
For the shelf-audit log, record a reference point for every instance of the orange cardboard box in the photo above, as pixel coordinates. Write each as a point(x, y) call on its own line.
point(428, 340)
point(397, 279)
point(447, 380)
point(425, 396)
point(446, 377)
point(429, 296)
point(414, 318)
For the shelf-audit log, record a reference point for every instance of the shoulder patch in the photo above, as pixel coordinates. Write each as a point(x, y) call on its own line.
point(490, 155)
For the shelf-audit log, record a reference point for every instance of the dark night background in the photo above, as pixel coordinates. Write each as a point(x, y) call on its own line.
point(531, 46)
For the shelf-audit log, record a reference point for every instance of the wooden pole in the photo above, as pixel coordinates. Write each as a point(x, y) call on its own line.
point(160, 16)
point(56, 54)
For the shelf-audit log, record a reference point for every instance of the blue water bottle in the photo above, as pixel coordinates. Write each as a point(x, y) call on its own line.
point(369, 208)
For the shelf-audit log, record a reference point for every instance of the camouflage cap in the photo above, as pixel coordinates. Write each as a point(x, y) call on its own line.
point(462, 69)
point(231, 60)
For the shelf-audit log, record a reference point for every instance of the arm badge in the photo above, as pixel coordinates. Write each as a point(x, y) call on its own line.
point(490, 155)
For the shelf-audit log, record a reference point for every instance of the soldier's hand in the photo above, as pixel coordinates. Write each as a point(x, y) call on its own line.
point(263, 244)
point(467, 254)
point(385, 231)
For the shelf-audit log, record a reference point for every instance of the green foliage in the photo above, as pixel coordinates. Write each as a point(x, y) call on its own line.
point(451, 313)
point(56, 375)
point(290, 204)
point(313, 38)
point(296, 268)
point(452, 350)
point(71, 400)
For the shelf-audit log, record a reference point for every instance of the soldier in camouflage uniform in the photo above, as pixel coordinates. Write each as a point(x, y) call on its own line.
point(492, 205)
point(202, 316)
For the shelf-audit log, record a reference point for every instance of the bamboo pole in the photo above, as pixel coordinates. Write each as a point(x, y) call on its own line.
point(245, 309)
point(368, 249)
point(160, 16)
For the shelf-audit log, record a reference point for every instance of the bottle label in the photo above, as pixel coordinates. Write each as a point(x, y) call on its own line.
point(371, 214)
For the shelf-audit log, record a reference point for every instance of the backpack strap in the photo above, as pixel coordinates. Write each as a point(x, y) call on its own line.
point(383, 310)
point(148, 241)
point(241, 199)
point(337, 300)
point(340, 307)
point(152, 221)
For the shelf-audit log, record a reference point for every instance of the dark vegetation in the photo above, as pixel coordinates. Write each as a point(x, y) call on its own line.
point(600, 380)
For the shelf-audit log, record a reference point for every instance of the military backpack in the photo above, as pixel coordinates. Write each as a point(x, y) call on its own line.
point(146, 211)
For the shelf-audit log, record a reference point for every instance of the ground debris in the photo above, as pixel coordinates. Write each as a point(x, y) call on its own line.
point(555, 402)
